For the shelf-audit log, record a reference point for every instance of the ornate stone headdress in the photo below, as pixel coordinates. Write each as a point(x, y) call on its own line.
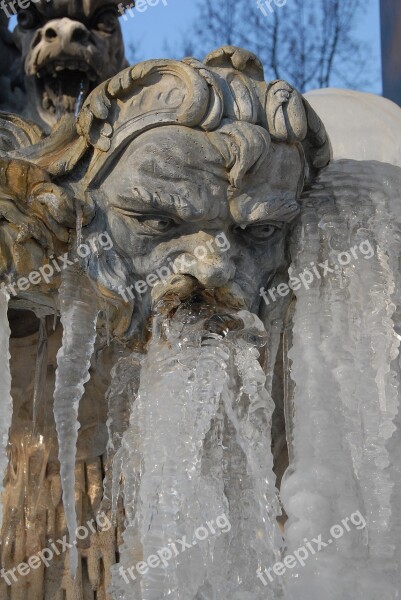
point(229, 84)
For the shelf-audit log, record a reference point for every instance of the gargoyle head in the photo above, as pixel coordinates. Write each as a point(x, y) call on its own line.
point(67, 48)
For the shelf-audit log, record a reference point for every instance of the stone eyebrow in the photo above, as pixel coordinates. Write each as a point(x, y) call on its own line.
point(246, 210)
point(161, 200)
point(156, 198)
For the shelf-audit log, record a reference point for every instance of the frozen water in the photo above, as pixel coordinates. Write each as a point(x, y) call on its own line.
point(198, 447)
point(79, 312)
point(39, 412)
point(345, 367)
point(120, 396)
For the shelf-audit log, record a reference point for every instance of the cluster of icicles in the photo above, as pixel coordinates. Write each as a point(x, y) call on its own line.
point(192, 438)
point(195, 452)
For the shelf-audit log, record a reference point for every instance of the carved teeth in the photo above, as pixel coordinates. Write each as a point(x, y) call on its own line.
point(58, 66)
point(46, 103)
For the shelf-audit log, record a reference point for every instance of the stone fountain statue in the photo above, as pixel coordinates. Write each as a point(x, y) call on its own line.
point(61, 51)
point(229, 305)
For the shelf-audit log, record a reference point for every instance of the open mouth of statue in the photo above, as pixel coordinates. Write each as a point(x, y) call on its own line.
point(64, 84)
point(184, 291)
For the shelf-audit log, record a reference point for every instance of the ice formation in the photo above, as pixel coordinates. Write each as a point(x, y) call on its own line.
point(6, 403)
point(39, 410)
point(345, 367)
point(198, 447)
point(120, 397)
point(190, 421)
point(79, 310)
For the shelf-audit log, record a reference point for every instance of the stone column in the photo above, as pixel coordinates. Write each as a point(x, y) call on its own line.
point(391, 48)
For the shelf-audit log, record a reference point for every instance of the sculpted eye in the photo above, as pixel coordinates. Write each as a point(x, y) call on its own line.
point(29, 18)
point(261, 231)
point(106, 21)
point(157, 224)
point(150, 224)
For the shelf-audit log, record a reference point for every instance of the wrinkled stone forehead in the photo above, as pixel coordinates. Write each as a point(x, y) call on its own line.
point(74, 9)
point(178, 169)
point(169, 167)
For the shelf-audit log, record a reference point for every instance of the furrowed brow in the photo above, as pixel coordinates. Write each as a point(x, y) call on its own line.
point(247, 210)
point(161, 202)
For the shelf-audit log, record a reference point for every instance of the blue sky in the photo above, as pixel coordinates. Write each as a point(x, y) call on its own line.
point(168, 20)
point(152, 28)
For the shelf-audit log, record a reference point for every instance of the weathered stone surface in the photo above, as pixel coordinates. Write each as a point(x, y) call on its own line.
point(59, 51)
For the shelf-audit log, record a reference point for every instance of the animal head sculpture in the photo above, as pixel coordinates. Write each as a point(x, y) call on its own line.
point(67, 49)
point(195, 171)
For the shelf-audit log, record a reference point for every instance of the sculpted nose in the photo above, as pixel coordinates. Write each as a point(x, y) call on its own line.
point(66, 31)
point(212, 270)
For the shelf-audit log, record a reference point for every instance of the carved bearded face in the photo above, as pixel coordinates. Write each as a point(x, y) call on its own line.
point(170, 210)
point(68, 48)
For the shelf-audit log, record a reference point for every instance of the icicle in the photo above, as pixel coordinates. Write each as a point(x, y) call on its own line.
point(288, 385)
point(6, 403)
point(252, 433)
point(78, 210)
point(39, 413)
point(79, 310)
point(80, 99)
point(120, 395)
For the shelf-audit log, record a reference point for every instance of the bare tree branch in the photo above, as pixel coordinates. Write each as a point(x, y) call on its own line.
point(311, 43)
